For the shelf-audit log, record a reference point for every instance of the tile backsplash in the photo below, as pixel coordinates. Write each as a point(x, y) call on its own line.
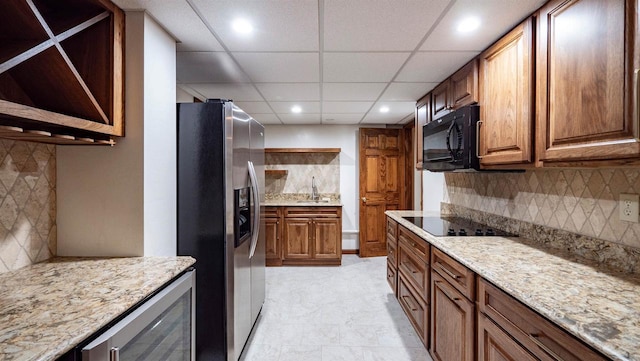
point(27, 203)
point(300, 167)
point(583, 201)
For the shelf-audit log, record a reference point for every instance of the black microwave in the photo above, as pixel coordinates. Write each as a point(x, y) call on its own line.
point(449, 143)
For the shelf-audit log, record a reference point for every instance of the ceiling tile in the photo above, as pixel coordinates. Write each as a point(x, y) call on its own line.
point(285, 107)
point(357, 25)
point(290, 91)
point(362, 67)
point(236, 92)
point(330, 118)
point(383, 118)
point(254, 107)
point(278, 25)
point(300, 118)
point(434, 67)
point(446, 37)
point(280, 67)
point(180, 20)
point(395, 108)
point(406, 91)
point(266, 118)
point(207, 67)
point(352, 91)
point(346, 107)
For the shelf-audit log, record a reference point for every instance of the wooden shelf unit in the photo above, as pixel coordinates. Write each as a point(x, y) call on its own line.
point(302, 150)
point(276, 172)
point(61, 70)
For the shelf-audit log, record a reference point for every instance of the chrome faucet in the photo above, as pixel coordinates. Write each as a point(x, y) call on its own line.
point(314, 190)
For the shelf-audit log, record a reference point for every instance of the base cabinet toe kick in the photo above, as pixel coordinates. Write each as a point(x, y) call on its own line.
point(460, 316)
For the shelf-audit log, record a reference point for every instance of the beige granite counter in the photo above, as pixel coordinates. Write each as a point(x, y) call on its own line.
point(290, 203)
point(48, 308)
point(598, 306)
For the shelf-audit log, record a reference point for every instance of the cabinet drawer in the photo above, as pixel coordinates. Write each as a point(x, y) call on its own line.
point(419, 245)
point(415, 308)
point(541, 337)
point(271, 212)
point(495, 344)
point(392, 278)
point(392, 254)
point(315, 212)
point(456, 274)
point(414, 268)
point(392, 230)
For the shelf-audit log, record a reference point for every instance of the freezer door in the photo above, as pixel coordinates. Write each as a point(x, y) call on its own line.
point(258, 258)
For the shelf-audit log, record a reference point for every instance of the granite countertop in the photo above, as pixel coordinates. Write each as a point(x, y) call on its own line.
point(293, 203)
point(50, 307)
point(598, 306)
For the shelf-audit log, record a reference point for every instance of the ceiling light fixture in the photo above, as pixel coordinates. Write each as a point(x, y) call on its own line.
point(242, 26)
point(384, 109)
point(296, 109)
point(468, 24)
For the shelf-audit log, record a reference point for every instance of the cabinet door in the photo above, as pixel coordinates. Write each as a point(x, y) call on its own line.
point(464, 85)
point(423, 116)
point(272, 242)
point(452, 323)
point(297, 238)
point(506, 99)
point(440, 100)
point(327, 238)
point(587, 88)
point(496, 345)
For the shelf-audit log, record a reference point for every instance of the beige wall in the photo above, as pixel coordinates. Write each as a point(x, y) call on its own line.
point(27, 203)
point(580, 201)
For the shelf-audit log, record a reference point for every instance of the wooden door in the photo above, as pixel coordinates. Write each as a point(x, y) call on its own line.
point(272, 242)
point(464, 85)
point(297, 238)
point(440, 100)
point(381, 177)
point(327, 238)
point(587, 89)
point(496, 345)
point(422, 117)
point(506, 99)
point(452, 323)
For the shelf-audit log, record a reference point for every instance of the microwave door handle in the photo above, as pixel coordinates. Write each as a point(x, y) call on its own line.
point(256, 208)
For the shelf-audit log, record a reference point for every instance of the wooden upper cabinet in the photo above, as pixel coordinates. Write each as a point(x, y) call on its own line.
point(457, 91)
point(61, 71)
point(587, 91)
point(423, 116)
point(507, 98)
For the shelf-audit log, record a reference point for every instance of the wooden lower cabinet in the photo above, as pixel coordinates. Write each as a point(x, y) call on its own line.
point(415, 307)
point(496, 345)
point(452, 323)
point(312, 236)
point(273, 239)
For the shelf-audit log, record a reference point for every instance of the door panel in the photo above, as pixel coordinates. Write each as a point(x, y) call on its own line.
point(297, 235)
point(382, 163)
point(327, 238)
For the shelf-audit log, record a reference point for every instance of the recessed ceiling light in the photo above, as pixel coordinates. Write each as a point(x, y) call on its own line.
point(242, 26)
point(468, 25)
point(384, 109)
point(296, 109)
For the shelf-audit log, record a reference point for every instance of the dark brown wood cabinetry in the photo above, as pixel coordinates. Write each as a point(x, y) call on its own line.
point(61, 71)
point(452, 309)
point(587, 85)
point(312, 235)
point(459, 90)
point(422, 117)
point(392, 254)
point(273, 229)
point(507, 99)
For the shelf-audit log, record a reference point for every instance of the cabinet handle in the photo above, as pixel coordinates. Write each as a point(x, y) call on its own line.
point(114, 354)
point(637, 94)
point(451, 274)
point(534, 338)
point(406, 302)
point(478, 140)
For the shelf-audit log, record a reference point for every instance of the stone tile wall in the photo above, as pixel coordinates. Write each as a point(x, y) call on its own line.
point(27, 203)
point(325, 167)
point(580, 201)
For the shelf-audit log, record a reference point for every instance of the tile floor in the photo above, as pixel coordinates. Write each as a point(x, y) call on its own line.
point(333, 313)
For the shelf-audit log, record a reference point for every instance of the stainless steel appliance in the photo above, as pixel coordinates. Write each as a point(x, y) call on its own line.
point(450, 143)
point(161, 328)
point(220, 189)
point(455, 226)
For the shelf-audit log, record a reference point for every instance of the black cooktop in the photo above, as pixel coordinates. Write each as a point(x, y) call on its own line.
point(455, 226)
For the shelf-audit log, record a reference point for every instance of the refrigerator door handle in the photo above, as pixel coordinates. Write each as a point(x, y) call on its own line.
point(256, 208)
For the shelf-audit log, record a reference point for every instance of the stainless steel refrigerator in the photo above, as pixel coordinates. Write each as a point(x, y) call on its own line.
point(220, 192)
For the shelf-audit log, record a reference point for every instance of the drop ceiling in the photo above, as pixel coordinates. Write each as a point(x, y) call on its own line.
point(340, 61)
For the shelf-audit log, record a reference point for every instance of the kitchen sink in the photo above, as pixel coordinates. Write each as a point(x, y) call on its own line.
point(310, 201)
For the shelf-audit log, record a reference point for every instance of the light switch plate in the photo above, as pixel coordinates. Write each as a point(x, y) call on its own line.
point(628, 206)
